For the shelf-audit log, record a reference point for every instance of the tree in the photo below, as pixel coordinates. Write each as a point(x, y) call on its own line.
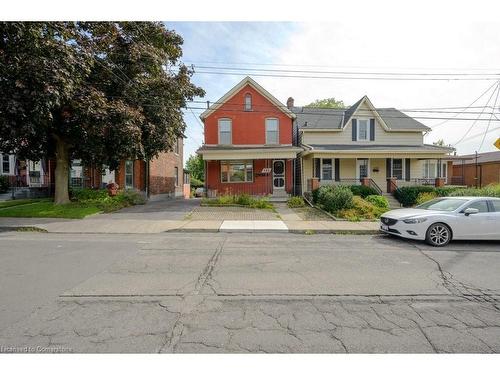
point(96, 91)
point(327, 103)
point(196, 167)
point(440, 142)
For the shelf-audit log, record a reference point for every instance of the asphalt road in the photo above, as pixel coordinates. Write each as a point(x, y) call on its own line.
point(218, 292)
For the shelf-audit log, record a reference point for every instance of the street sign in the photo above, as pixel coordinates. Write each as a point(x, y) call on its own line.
point(497, 143)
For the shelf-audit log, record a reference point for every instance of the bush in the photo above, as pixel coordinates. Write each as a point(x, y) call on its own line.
point(83, 195)
point(294, 202)
point(362, 190)
point(446, 190)
point(378, 200)
point(4, 184)
point(335, 198)
point(425, 197)
point(407, 195)
point(132, 197)
point(241, 200)
point(361, 210)
point(103, 201)
point(492, 190)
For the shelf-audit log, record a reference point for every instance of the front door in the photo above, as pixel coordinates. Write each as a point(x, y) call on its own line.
point(362, 168)
point(278, 174)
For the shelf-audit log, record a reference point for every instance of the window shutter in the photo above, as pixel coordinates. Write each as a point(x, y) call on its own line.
point(372, 129)
point(337, 169)
point(317, 167)
point(407, 169)
point(388, 169)
point(354, 129)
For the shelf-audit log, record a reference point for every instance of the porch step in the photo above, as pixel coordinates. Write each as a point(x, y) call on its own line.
point(393, 202)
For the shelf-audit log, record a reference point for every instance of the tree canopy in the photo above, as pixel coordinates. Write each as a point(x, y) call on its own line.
point(96, 91)
point(195, 166)
point(327, 103)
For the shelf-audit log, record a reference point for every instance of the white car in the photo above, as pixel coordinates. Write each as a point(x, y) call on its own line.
point(440, 220)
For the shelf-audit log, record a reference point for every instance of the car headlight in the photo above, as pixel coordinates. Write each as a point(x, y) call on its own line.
point(416, 220)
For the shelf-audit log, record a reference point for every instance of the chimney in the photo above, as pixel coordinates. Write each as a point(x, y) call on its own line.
point(289, 103)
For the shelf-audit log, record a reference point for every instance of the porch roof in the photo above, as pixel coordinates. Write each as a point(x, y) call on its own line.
point(217, 152)
point(377, 149)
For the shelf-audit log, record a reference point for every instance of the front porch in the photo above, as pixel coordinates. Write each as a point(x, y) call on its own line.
point(383, 174)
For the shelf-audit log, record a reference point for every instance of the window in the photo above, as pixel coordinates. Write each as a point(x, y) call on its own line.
point(429, 169)
point(397, 168)
point(327, 170)
point(443, 168)
point(496, 204)
point(271, 131)
point(236, 171)
point(176, 171)
point(482, 206)
point(363, 130)
point(5, 164)
point(176, 146)
point(248, 102)
point(225, 131)
point(129, 174)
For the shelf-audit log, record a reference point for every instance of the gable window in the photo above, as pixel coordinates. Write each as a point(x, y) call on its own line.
point(397, 168)
point(248, 102)
point(363, 130)
point(236, 171)
point(176, 147)
point(5, 164)
point(327, 169)
point(225, 126)
point(271, 131)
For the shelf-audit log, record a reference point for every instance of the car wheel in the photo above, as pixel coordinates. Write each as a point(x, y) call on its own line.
point(438, 234)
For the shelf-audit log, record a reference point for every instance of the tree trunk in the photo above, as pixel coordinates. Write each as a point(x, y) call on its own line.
point(62, 172)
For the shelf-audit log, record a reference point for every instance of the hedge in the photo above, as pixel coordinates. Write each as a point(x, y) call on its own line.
point(362, 190)
point(407, 195)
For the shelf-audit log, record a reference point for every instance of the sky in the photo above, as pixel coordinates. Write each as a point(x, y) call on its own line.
point(359, 44)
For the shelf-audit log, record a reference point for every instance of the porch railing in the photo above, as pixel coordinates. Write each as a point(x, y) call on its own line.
point(416, 182)
point(374, 186)
point(342, 181)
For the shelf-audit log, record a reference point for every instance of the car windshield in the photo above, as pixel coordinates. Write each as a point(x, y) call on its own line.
point(442, 204)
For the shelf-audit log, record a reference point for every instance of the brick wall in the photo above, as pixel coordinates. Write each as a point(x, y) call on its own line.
point(162, 172)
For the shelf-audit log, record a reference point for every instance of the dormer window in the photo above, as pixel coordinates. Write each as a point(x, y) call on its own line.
point(363, 130)
point(248, 102)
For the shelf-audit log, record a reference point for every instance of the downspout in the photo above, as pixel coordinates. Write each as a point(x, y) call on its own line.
point(146, 177)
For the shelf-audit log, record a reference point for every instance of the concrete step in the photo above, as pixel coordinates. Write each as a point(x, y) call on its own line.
point(393, 202)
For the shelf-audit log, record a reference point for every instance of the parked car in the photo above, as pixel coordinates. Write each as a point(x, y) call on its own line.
point(199, 192)
point(440, 220)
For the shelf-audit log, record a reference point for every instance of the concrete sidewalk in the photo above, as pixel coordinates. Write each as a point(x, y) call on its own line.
point(135, 226)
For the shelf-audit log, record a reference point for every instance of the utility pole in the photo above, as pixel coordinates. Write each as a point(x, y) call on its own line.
point(476, 173)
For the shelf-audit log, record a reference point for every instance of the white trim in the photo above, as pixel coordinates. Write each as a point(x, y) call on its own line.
point(248, 95)
point(11, 165)
point(277, 130)
point(283, 176)
point(403, 169)
point(373, 109)
point(242, 161)
point(321, 169)
point(247, 81)
point(230, 130)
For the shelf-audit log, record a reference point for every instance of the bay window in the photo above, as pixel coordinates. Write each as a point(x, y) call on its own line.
point(236, 171)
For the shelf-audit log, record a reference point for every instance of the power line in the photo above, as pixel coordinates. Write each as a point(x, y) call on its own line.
point(350, 77)
point(344, 72)
point(474, 123)
point(488, 126)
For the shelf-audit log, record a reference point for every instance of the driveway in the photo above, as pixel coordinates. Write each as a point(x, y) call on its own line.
point(216, 292)
point(160, 209)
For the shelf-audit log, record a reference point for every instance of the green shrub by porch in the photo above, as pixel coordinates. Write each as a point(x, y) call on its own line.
point(492, 190)
point(362, 190)
point(238, 200)
point(378, 200)
point(295, 202)
point(407, 195)
point(4, 184)
point(334, 198)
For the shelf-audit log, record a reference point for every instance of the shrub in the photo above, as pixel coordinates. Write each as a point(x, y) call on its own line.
point(378, 200)
point(85, 195)
point(132, 197)
point(242, 200)
point(362, 190)
point(407, 195)
point(333, 199)
point(492, 190)
point(445, 191)
point(4, 184)
point(361, 210)
point(295, 202)
point(424, 197)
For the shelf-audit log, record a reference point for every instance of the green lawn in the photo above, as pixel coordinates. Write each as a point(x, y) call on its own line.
point(18, 202)
point(46, 208)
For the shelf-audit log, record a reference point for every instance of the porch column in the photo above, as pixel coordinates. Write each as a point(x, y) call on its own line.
point(391, 185)
point(365, 181)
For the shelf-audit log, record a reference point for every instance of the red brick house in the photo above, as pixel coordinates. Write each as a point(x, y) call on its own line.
point(249, 144)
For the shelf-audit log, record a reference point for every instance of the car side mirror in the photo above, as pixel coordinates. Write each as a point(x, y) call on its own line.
point(470, 211)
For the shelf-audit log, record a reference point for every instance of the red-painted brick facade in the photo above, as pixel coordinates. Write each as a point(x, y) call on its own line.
point(248, 129)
